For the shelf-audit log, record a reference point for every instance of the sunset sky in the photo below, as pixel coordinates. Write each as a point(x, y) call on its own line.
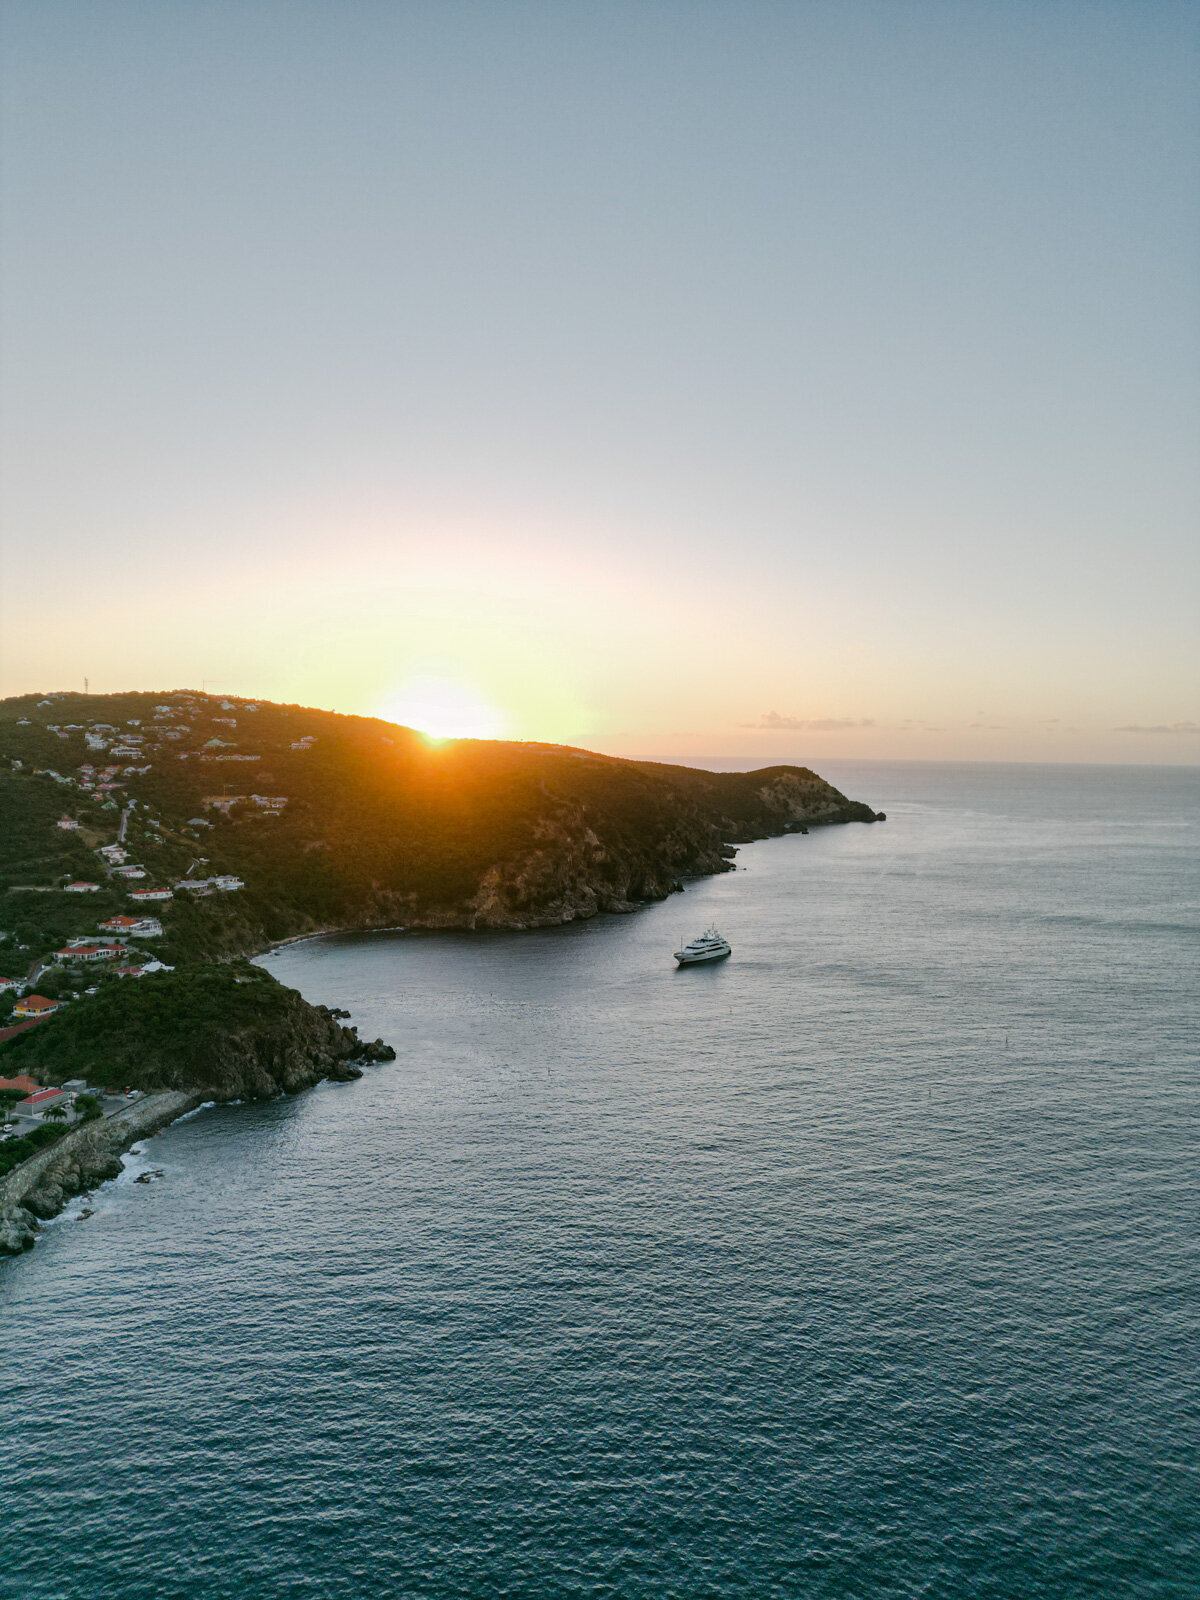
point(731, 379)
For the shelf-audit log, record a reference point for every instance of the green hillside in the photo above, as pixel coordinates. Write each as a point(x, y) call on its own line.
point(331, 820)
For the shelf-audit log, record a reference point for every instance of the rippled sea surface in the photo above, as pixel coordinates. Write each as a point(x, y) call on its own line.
point(864, 1264)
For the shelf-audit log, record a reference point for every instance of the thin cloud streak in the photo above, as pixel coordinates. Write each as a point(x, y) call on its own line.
point(1159, 727)
point(774, 721)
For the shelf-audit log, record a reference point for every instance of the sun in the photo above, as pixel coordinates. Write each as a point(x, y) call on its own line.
point(444, 708)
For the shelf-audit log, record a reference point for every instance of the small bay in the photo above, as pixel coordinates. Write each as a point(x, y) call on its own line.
point(861, 1264)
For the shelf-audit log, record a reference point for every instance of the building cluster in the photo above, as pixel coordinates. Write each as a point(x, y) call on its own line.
point(42, 1104)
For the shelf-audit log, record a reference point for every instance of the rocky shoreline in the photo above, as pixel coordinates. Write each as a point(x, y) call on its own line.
point(83, 1158)
point(295, 1047)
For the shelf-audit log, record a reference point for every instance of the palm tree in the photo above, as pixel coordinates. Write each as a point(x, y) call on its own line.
point(58, 1112)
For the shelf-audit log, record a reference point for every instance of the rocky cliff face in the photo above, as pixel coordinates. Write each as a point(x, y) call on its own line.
point(572, 870)
point(299, 1048)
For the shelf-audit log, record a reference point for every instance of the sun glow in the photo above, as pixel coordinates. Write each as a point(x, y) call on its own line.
point(445, 708)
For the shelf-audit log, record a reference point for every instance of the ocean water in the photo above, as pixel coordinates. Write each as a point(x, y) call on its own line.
point(864, 1264)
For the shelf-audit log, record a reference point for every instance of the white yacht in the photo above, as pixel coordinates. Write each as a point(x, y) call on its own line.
point(708, 947)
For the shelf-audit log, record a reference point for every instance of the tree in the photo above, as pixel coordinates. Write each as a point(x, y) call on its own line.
point(58, 1112)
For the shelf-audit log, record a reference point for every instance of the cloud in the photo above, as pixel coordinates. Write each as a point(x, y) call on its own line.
point(1159, 727)
point(773, 720)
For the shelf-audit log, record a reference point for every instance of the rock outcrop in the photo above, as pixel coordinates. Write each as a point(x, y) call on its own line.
point(570, 870)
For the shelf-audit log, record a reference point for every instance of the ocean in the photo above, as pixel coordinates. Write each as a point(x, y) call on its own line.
point(863, 1264)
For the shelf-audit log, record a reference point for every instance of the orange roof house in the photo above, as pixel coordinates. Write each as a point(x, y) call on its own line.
point(35, 1005)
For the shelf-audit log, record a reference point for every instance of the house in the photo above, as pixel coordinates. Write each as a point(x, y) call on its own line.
point(134, 927)
point(80, 887)
point(223, 802)
point(69, 824)
point(90, 952)
point(227, 881)
point(35, 1106)
point(35, 1005)
point(23, 1082)
point(195, 886)
point(129, 872)
point(10, 983)
point(150, 894)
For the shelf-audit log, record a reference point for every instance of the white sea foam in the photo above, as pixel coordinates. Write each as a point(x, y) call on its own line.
point(188, 1115)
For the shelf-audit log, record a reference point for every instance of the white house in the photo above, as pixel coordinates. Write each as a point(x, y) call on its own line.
point(134, 927)
point(90, 952)
point(80, 887)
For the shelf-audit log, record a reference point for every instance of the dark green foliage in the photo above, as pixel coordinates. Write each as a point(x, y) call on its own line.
point(153, 1031)
point(14, 1151)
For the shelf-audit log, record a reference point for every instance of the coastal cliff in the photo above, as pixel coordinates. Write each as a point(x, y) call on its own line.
point(577, 864)
point(210, 1032)
point(227, 1031)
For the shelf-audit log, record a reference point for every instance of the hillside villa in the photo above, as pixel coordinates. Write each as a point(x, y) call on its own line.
point(133, 927)
point(90, 952)
point(35, 1005)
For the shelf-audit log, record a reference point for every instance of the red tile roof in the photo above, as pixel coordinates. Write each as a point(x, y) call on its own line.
point(19, 1027)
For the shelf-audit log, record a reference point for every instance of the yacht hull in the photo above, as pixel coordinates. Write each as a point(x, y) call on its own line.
point(708, 955)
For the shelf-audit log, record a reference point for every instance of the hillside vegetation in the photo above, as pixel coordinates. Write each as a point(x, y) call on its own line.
point(227, 1029)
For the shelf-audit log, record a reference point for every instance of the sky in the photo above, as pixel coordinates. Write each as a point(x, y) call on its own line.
point(752, 380)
